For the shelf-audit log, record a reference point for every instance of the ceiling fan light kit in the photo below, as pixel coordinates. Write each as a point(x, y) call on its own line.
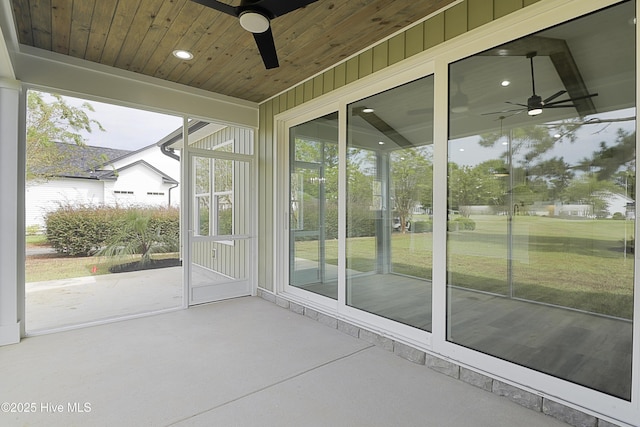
point(254, 22)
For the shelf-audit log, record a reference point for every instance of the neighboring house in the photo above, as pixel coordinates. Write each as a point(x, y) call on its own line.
point(99, 175)
point(618, 203)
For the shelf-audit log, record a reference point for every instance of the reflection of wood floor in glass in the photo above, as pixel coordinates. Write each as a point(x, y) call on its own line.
point(590, 350)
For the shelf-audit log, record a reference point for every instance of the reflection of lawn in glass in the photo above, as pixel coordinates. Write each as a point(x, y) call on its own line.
point(577, 264)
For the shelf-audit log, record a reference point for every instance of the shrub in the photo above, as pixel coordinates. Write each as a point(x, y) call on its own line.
point(82, 230)
point(142, 231)
point(78, 230)
point(422, 226)
point(461, 223)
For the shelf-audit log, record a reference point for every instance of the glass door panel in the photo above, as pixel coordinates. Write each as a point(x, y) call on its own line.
point(313, 219)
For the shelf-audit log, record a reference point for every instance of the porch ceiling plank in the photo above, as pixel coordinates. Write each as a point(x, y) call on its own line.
point(100, 25)
point(162, 26)
point(61, 25)
point(80, 26)
point(122, 20)
point(139, 36)
point(141, 24)
point(225, 44)
point(22, 17)
point(197, 42)
point(162, 62)
point(41, 23)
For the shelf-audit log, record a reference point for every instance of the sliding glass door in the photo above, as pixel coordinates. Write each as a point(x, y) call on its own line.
point(313, 218)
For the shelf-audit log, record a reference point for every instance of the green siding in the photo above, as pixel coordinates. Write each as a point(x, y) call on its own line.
point(505, 7)
point(455, 21)
point(415, 40)
point(480, 12)
point(318, 86)
point(396, 48)
point(308, 90)
point(352, 70)
point(365, 63)
point(444, 26)
point(380, 56)
point(434, 31)
point(328, 83)
point(340, 75)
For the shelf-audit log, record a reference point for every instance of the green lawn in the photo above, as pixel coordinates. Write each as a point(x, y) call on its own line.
point(578, 264)
point(55, 267)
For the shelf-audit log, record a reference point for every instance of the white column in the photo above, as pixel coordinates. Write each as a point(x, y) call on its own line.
point(9, 202)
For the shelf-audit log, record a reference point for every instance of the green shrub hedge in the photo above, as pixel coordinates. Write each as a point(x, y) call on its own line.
point(461, 223)
point(81, 230)
point(422, 226)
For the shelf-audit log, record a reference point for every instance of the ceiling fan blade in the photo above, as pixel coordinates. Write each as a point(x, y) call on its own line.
point(222, 7)
point(279, 7)
point(559, 106)
point(577, 98)
point(267, 48)
point(503, 111)
point(554, 96)
point(509, 115)
point(516, 103)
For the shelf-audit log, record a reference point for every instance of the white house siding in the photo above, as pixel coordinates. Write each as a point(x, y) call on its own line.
point(137, 185)
point(165, 164)
point(44, 196)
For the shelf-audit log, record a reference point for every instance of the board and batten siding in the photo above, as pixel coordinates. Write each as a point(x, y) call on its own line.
point(449, 23)
point(231, 257)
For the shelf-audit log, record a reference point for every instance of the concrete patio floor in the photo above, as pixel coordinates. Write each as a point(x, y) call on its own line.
point(63, 303)
point(240, 362)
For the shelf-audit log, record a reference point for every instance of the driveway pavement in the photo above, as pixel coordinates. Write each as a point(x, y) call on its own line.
point(60, 303)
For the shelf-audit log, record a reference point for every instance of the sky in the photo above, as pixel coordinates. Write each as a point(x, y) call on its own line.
point(126, 128)
point(468, 151)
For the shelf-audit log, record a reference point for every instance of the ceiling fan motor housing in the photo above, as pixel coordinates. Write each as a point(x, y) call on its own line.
point(254, 22)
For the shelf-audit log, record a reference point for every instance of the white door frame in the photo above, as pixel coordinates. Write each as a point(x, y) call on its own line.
point(247, 286)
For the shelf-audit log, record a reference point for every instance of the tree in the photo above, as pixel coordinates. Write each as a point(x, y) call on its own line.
point(410, 172)
point(137, 234)
point(50, 122)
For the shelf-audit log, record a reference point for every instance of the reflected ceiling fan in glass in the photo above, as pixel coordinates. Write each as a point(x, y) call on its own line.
point(535, 104)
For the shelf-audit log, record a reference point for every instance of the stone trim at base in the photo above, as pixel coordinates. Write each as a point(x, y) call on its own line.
point(524, 398)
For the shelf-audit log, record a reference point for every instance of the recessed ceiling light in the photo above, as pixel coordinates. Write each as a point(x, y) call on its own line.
point(368, 110)
point(381, 142)
point(183, 54)
point(505, 83)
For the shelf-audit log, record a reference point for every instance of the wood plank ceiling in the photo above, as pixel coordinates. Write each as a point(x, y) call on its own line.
point(140, 35)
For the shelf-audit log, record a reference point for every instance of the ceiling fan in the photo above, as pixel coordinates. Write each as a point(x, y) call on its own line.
point(535, 104)
point(255, 16)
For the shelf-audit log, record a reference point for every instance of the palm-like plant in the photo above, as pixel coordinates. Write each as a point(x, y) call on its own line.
point(138, 235)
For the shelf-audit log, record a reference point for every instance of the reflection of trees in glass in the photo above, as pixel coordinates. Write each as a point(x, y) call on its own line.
point(538, 177)
point(315, 177)
point(361, 183)
point(484, 184)
point(411, 181)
